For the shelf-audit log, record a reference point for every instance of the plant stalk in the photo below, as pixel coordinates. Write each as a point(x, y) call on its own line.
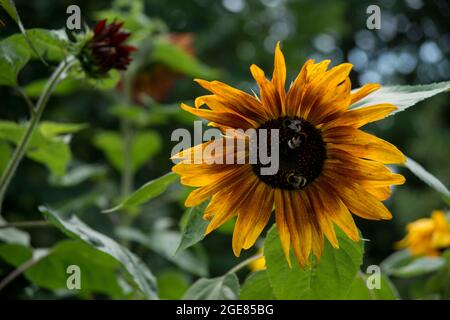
point(244, 263)
point(36, 114)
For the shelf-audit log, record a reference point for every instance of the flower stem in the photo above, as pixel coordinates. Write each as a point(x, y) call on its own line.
point(244, 263)
point(26, 224)
point(36, 114)
point(127, 173)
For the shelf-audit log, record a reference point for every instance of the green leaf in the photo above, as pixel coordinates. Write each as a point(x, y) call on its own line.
point(221, 288)
point(403, 97)
point(257, 287)
point(51, 44)
point(13, 57)
point(10, 8)
point(427, 177)
point(194, 229)
point(172, 285)
point(330, 278)
point(419, 266)
point(55, 155)
point(439, 282)
point(15, 254)
point(145, 145)
point(53, 152)
point(147, 192)
point(53, 129)
point(360, 291)
point(76, 229)
point(395, 260)
point(164, 242)
point(99, 271)
point(63, 87)
point(173, 56)
point(14, 235)
point(78, 174)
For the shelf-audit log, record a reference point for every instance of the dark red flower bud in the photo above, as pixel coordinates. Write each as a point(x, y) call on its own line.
point(106, 49)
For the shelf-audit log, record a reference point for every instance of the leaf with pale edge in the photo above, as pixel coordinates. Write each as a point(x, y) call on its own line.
point(137, 270)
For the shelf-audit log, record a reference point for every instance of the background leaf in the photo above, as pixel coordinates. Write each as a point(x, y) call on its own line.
point(194, 228)
point(145, 145)
point(427, 177)
point(137, 270)
point(164, 242)
point(53, 152)
point(173, 56)
point(221, 288)
point(147, 192)
point(99, 271)
point(13, 57)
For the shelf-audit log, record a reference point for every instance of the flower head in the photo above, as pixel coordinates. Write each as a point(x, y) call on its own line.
point(328, 167)
point(106, 49)
point(427, 236)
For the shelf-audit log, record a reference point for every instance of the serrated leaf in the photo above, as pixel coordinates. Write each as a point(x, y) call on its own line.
point(75, 228)
point(194, 229)
point(403, 97)
point(257, 287)
point(330, 278)
point(221, 288)
point(147, 192)
point(99, 271)
point(427, 177)
point(164, 242)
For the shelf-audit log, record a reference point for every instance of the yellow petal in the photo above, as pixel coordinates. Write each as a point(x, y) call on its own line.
point(359, 117)
point(279, 77)
point(364, 91)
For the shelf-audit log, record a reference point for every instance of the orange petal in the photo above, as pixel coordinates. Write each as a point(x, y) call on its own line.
point(279, 77)
point(359, 117)
point(364, 91)
point(253, 216)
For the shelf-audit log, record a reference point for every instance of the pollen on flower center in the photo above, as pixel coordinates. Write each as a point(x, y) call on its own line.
point(301, 153)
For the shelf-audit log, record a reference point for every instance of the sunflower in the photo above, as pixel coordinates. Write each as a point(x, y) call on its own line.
point(427, 236)
point(328, 167)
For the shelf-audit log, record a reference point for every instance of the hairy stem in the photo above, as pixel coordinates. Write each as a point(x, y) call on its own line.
point(36, 114)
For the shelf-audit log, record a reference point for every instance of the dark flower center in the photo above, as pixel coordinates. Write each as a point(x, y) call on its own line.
point(301, 153)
